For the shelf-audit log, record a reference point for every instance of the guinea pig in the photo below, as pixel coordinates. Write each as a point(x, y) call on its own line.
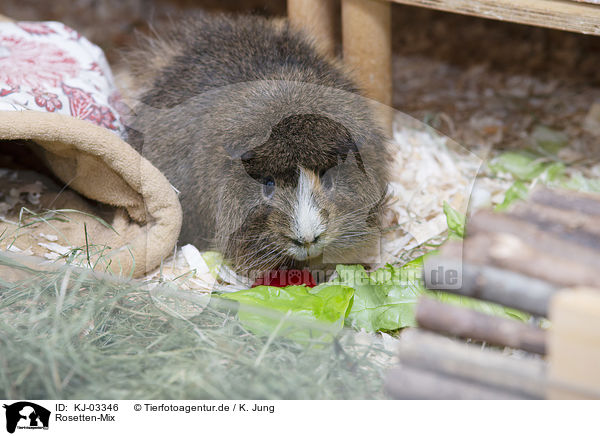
point(279, 160)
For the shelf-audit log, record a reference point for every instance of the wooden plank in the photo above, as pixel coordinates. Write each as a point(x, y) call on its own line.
point(366, 35)
point(318, 19)
point(556, 14)
point(574, 345)
point(466, 323)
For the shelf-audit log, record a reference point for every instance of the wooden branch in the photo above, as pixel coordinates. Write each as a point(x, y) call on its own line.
point(583, 203)
point(570, 225)
point(506, 242)
point(521, 377)
point(493, 284)
point(556, 14)
point(521, 258)
point(545, 232)
point(555, 236)
point(580, 231)
point(410, 383)
point(457, 321)
point(539, 260)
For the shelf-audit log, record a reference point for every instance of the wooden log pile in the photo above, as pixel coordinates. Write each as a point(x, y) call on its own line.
point(543, 258)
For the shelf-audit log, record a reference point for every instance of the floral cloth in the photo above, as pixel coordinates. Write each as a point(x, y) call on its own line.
point(51, 67)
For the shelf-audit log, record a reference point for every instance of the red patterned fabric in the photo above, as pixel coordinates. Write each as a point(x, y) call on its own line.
point(51, 67)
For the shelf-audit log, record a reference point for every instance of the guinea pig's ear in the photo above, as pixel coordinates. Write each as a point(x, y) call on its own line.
point(249, 162)
point(248, 155)
point(349, 148)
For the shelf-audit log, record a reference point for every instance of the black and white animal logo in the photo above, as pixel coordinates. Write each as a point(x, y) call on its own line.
point(26, 415)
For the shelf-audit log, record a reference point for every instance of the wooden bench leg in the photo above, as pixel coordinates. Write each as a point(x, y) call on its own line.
point(318, 18)
point(366, 37)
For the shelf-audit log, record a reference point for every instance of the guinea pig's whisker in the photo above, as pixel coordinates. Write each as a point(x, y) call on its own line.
point(355, 215)
point(359, 233)
point(261, 246)
point(264, 256)
point(267, 257)
point(256, 256)
point(360, 209)
point(355, 236)
point(245, 238)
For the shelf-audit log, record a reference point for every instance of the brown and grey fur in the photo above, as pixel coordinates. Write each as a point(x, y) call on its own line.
point(229, 102)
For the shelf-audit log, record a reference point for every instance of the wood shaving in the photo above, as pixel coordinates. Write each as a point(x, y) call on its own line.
point(55, 248)
point(194, 259)
point(51, 238)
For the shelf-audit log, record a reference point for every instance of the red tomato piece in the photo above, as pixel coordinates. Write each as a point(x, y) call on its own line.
point(282, 278)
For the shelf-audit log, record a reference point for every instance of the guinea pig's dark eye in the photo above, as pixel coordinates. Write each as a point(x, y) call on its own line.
point(268, 187)
point(326, 177)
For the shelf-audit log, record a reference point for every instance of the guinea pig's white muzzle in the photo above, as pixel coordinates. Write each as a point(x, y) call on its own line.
point(305, 250)
point(307, 225)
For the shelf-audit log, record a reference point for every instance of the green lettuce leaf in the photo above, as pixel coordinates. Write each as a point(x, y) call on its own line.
point(526, 166)
point(382, 300)
point(553, 172)
point(289, 311)
point(379, 302)
point(386, 299)
point(517, 191)
point(549, 140)
point(214, 260)
point(522, 165)
point(529, 169)
point(455, 220)
point(580, 183)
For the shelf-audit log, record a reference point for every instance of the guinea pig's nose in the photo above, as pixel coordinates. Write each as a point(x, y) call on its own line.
point(305, 242)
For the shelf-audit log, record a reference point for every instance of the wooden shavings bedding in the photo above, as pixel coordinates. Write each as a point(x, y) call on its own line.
point(55, 250)
point(17, 192)
point(21, 190)
point(428, 170)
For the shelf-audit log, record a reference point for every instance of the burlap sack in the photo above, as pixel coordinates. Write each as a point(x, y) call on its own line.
point(71, 188)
